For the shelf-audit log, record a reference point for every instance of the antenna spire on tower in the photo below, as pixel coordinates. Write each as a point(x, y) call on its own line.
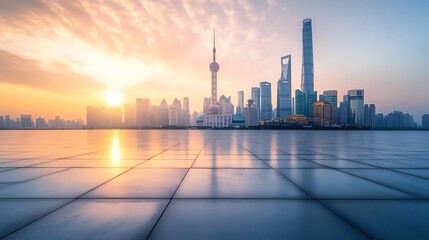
point(214, 44)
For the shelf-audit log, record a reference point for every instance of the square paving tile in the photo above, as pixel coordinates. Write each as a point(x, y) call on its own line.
point(251, 219)
point(101, 219)
point(237, 183)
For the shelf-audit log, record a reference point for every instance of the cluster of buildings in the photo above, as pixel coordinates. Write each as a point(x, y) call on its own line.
point(25, 121)
point(141, 114)
point(306, 109)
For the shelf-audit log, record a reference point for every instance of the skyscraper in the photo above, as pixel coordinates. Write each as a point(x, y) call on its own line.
point(142, 112)
point(240, 104)
point(425, 121)
point(305, 97)
point(356, 103)
point(307, 76)
point(284, 85)
point(369, 115)
point(330, 96)
point(266, 106)
point(214, 68)
point(186, 112)
point(256, 97)
point(130, 114)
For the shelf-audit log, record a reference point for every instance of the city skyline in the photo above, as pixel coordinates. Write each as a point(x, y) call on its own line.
point(77, 68)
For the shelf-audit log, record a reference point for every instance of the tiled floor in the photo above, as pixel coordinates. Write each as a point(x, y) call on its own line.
point(186, 184)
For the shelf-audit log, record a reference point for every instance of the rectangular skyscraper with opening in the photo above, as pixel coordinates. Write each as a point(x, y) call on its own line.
point(284, 86)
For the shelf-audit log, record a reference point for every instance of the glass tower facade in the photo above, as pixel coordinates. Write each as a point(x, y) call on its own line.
point(356, 103)
point(256, 97)
point(284, 86)
point(330, 96)
point(307, 77)
point(266, 106)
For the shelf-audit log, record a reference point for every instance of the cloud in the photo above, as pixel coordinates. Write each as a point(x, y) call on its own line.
point(54, 77)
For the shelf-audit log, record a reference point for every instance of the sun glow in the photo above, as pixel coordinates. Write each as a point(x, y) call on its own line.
point(114, 99)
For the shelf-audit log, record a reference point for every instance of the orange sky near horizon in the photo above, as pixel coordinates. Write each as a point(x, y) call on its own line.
point(57, 57)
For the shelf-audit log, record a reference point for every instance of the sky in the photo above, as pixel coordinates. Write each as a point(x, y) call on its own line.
point(57, 57)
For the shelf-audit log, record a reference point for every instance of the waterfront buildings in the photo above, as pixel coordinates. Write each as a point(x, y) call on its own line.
point(306, 96)
point(100, 117)
point(251, 113)
point(369, 115)
point(130, 114)
point(425, 121)
point(330, 96)
point(356, 105)
point(266, 106)
point(324, 114)
point(284, 86)
point(256, 97)
point(142, 112)
point(240, 102)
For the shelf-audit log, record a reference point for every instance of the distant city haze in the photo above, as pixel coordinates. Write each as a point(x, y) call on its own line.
point(57, 57)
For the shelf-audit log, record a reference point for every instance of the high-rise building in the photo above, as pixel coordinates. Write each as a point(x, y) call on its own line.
point(142, 112)
point(266, 106)
point(256, 97)
point(163, 113)
point(240, 102)
point(214, 68)
point(425, 121)
point(307, 76)
point(251, 113)
point(26, 121)
point(304, 102)
point(369, 115)
point(344, 111)
point(284, 85)
point(186, 116)
point(130, 114)
point(41, 123)
point(175, 113)
point(206, 104)
point(7, 123)
point(330, 96)
point(324, 112)
point(356, 103)
point(305, 97)
point(2, 122)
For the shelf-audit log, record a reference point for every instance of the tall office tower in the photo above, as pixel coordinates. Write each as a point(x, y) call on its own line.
point(214, 68)
point(240, 104)
point(284, 85)
point(330, 96)
point(41, 123)
point(186, 117)
point(251, 114)
point(130, 114)
point(266, 106)
point(225, 105)
point(356, 103)
point(344, 111)
point(206, 104)
point(425, 121)
point(256, 97)
point(163, 113)
point(142, 112)
point(7, 123)
point(26, 121)
point(324, 112)
point(175, 113)
point(369, 115)
point(307, 76)
point(1, 122)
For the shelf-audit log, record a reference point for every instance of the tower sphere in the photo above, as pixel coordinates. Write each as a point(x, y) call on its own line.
point(214, 67)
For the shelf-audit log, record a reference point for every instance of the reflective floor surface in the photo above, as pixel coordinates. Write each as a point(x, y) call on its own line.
point(204, 184)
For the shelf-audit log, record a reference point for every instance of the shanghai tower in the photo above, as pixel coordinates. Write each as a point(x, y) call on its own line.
point(307, 77)
point(306, 96)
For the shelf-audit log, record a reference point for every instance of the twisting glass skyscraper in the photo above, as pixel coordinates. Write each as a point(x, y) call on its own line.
point(306, 96)
point(266, 106)
point(307, 77)
point(284, 85)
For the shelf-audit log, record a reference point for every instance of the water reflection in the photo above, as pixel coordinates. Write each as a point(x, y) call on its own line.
point(116, 149)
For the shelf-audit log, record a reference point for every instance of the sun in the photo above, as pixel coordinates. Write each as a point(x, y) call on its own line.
point(114, 99)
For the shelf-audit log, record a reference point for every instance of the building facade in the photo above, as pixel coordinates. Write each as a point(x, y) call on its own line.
point(284, 86)
point(266, 105)
point(356, 103)
point(256, 97)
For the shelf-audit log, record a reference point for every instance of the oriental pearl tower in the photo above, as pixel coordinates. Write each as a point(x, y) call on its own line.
point(214, 68)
